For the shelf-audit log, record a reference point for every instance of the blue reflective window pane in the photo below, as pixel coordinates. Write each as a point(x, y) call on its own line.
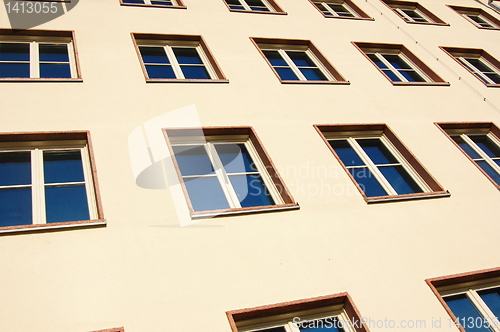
point(377, 151)
point(237, 7)
point(396, 61)
point(480, 65)
point(392, 76)
point(53, 70)
point(376, 60)
point(54, 52)
point(151, 54)
point(400, 180)
point(465, 311)
point(133, 1)
point(286, 74)
point(62, 166)
point(15, 70)
point(489, 170)
point(300, 59)
point(412, 76)
point(492, 299)
point(193, 160)
point(15, 207)
point(275, 58)
point(367, 182)
point(313, 74)
point(251, 190)
point(466, 147)
point(187, 56)
point(497, 162)
point(14, 52)
point(206, 194)
point(330, 324)
point(487, 145)
point(160, 71)
point(66, 203)
point(235, 158)
point(195, 72)
point(273, 329)
point(340, 10)
point(346, 153)
point(15, 168)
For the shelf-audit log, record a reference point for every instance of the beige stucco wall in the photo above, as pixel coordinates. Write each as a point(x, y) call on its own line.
point(146, 273)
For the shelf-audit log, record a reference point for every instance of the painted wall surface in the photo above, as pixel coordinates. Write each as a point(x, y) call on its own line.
point(145, 272)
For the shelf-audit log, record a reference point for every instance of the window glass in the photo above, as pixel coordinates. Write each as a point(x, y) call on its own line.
point(492, 299)
point(465, 311)
point(66, 203)
point(250, 190)
point(62, 166)
point(193, 160)
point(235, 158)
point(15, 206)
point(15, 168)
point(206, 194)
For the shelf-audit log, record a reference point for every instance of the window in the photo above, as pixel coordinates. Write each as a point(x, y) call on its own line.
point(255, 6)
point(340, 9)
point(378, 163)
point(155, 3)
point(471, 299)
point(226, 171)
point(335, 313)
point(399, 65)
point(480, 142)
point(116, 329)
point(477, 61)
point(37, 55)
point(413, 12)
point(46, 179)
point(177, 58)
point(478, 17)
point(297, 61)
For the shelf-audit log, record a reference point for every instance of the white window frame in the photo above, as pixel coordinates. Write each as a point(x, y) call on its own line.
point(148, 2)
point(470, 290)
point(176, 67)
point(281, 49)
point(476, 71)
point(209, 143)
point(467, 16)
point(484, 157)
point(36, 148)
point(326, 6)
point(400, 10)
point(352, 140)
point(247, 7)
point(34, 61)
point(395, 71)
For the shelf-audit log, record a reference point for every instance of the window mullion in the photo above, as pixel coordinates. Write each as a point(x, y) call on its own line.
point(292, 65)
point(268, 5)
point(329, 9)
point(34, 60)
point(245, 5)
point(476, 70)
point(402, 13)
point(205, 61)
point(72, 61)
point(291, 327)
point(391, 67)
point(228, 189)
point(38, 187)
point(371, 166)
point(173, 62)
point(483, 309)
point(319, 65)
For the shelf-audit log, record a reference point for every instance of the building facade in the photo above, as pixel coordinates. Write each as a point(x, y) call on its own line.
point(248, 165)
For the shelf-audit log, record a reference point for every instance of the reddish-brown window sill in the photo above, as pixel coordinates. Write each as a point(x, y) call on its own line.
point(53, 226)
point(238, 211)
point(396, 198)
point(421, 83)
point(492, 85)
point(486, 28)
point(317, 82)
point(148, 80)
point(155, 6)
point(26, 80)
